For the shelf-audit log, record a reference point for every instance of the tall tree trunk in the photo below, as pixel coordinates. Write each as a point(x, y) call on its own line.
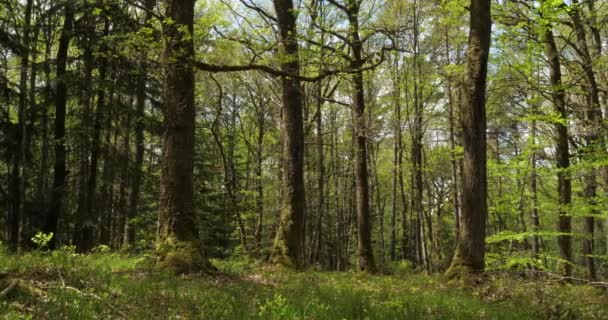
point(17, 167)
point(107, 180)
point(259, 183)
point(82, 234)
point(453, 161)
point(564, 187)
point(593, 142)
point(595, 29)
point(31, 222)
point(397, 157)
point(288, 248)
point(417, 149)
point(534, 191)
point(470, 249)
point(91, 217)
point(60, 172)
point(178, 246)
point(365, 255)
point(125, 178)
point(404, 208)
point(320, 178)
point(379, 204)
point(42, 184)
point(142, 78)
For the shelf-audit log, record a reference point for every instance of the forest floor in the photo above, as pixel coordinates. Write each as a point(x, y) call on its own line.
point(64, 285)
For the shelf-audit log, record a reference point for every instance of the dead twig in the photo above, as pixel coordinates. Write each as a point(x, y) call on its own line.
point(92, 295)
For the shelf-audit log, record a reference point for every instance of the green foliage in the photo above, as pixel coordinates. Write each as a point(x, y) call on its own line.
point(41, 240)
point(105, 284)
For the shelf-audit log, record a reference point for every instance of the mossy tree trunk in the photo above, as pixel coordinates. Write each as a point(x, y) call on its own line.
point(289, 241)
point(470, 248)
point(178, 246)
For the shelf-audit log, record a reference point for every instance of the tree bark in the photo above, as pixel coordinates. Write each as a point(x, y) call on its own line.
point(320, 178)
point(365, 255)
point(417, 149)
point(83, 230)
point(453, 161)
point(17, 177)
point(470, 249)
point(288, 248)
point(397, 158)
point(91, 218)
point(142, 78)
point(259, 183)
point(125, 177)
point(60, 172)
point(564, 184)
point(593, 142)
point(534, 191)
point(178, 246)
point(42, 184)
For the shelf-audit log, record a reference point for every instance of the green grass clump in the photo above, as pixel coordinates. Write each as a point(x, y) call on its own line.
point(113, 286)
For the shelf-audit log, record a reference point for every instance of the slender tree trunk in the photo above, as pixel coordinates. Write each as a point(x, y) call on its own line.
point(91, 217)
point(379, 203)
point(404, 209)
point(60, 172)
point(107, 179)
point(500, 223)
point(365, 255)
point(178, 245)
point(259, 183)
point(564, 240)
point(470, 249)
point(17, 177)
point(453, 162)
point(593, 142)
point(397, 150)
point(534, 191)
point(417, 150)
point(83, 230)
point(125, 178)
point(30, 221)
point(288, 248)
point(320, 178)
point(44, 149)
point(142, 78)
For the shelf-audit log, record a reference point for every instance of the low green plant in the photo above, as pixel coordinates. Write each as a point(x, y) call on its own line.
point(111, 285)
point(42, 240)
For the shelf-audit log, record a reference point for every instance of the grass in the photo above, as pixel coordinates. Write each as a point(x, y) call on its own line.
point(63, 285)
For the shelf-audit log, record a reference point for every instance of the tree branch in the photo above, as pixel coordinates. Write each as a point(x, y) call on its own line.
point(279, 73)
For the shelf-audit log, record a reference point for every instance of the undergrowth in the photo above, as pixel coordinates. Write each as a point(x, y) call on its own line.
point(65, 285)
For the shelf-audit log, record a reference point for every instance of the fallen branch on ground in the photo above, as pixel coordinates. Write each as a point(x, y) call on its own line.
point(13, 284)
point(92, 295)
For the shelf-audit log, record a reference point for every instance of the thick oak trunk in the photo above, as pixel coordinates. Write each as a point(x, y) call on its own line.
point(178, 245)
point(288, 246)
point(470, 249)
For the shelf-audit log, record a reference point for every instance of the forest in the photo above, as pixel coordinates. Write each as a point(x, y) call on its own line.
point(312, 159)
